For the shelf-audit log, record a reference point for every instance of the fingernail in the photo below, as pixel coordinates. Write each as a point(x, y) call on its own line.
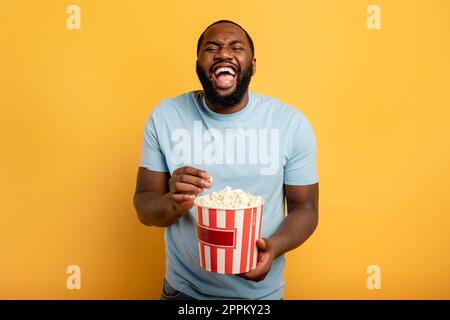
point(207, 184)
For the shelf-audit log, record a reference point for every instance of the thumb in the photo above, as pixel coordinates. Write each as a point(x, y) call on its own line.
point(263, 244)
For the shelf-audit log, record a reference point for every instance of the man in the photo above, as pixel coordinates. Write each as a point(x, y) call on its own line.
point(241, 139)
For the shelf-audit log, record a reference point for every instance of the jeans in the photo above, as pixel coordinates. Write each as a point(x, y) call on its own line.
point(170, 293)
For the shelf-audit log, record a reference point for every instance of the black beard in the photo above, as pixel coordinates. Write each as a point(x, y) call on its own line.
point(231, 99)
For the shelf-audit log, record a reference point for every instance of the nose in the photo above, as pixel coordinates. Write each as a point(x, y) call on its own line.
point(224, 53)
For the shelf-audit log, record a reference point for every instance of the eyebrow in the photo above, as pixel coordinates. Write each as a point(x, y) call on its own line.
point(218, 44)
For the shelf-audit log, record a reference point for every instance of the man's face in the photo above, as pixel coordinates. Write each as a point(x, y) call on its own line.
point(225, 64)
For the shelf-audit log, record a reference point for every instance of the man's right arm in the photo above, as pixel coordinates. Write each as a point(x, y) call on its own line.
point(160, 200)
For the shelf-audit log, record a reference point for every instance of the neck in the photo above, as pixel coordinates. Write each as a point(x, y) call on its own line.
point(229, 110)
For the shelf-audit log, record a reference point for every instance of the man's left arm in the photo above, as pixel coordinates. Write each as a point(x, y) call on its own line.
point(299, 224)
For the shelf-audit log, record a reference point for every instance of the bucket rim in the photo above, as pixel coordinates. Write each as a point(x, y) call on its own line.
point(234, 209)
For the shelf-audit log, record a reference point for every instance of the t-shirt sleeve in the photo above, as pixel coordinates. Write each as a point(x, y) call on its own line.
point(301, 166)
point(152, 156)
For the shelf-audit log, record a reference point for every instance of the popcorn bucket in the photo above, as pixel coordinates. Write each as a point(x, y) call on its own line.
point(227, 238)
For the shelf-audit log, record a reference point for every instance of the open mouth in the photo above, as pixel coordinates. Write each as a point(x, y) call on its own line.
point(224, 77)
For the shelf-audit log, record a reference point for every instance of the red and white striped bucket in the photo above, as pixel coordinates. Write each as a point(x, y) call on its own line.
point(227, 238)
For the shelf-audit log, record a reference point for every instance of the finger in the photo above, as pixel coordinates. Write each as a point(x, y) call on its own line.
point(181, 187)
point(252, 277)
point(254, 274)
point(257, 274)
point(180, 197)
point(183, 202)
point(261, 268)
point(262, 244)
point(194, 180)
point(195, 172)
point(244, 276)
point(261, 278)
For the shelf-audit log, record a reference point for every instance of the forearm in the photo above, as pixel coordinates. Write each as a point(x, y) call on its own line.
point(295, 229)
point(156, 210)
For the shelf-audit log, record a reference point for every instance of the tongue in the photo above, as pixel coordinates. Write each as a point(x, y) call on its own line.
point(225, 80)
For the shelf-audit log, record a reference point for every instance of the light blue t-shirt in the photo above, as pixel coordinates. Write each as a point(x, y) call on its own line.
point(258, 149)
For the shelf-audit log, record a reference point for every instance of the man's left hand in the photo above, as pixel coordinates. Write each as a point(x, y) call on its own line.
point(264, 263)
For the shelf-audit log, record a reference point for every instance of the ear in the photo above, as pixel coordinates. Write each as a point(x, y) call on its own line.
point(254, 66)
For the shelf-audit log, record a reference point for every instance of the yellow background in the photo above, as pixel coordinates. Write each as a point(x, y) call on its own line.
point(74, 104)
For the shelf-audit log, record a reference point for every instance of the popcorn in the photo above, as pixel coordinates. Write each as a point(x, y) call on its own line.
point(229, 199)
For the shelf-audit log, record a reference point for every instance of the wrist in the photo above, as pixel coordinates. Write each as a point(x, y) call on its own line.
point(275, 245)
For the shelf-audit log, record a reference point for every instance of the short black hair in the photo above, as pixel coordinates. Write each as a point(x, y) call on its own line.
point(250, 41)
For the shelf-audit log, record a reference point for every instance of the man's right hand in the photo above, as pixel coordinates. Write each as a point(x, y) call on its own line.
point(161, 199)
point(185, 184)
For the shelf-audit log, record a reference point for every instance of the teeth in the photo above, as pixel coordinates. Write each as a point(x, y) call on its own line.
point(223, 69)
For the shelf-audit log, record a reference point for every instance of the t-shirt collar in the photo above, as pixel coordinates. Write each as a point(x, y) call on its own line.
point(219, 116)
